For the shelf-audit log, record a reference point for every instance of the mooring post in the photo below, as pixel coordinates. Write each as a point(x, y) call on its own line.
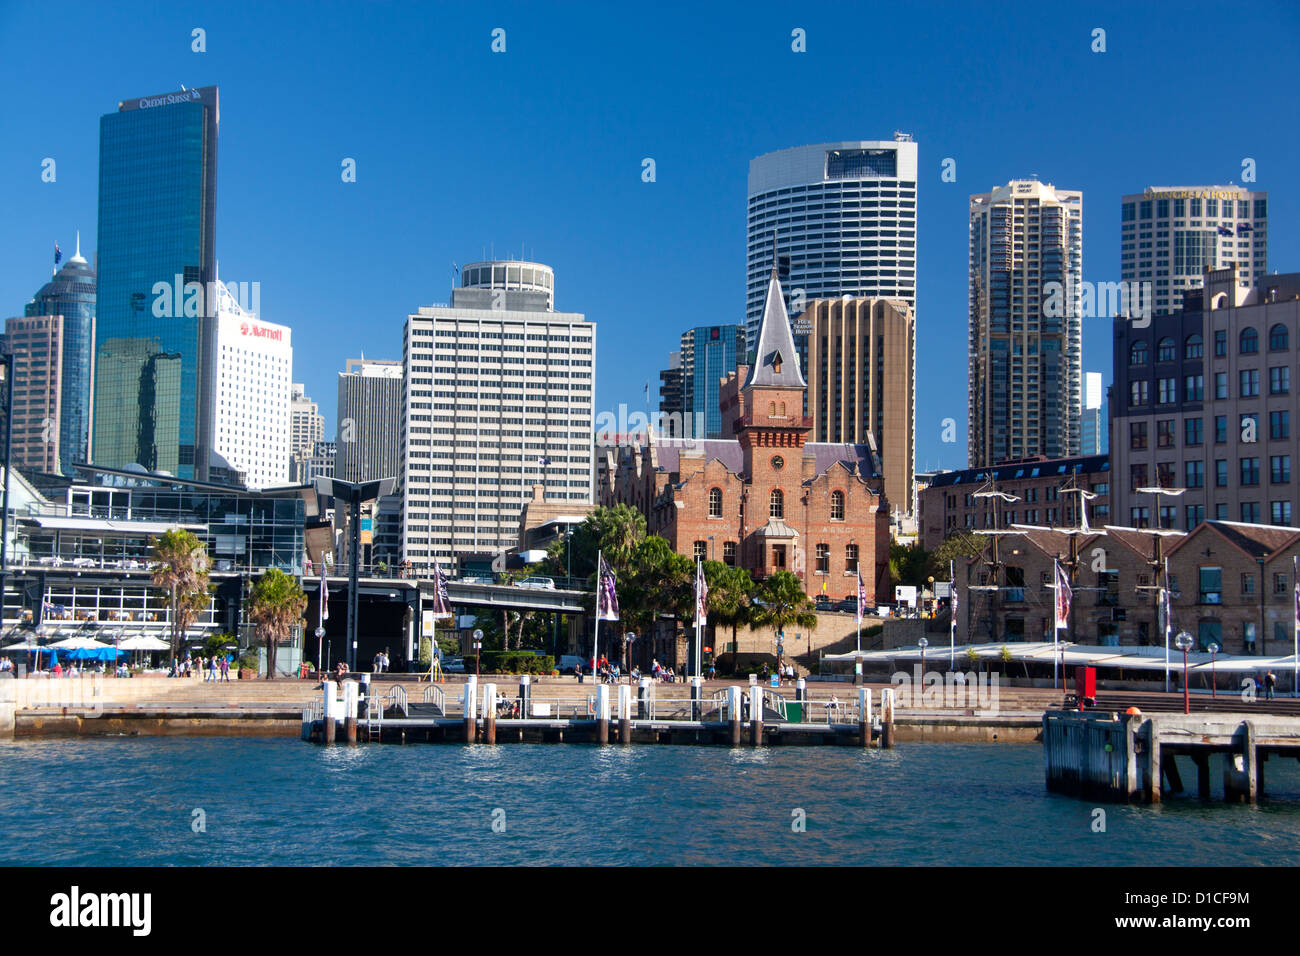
point(1250, 757)
point(471, 708)
point(489, 713)
point(624, 713)
point(801, 695)
point(525, 695)
point(755, 715)
point(887, 718)
point(733, 713)
point(697, 697)
point(642, 701)
point(350, 709)
point(864, 715)
point(602, 713)
point(330, 712)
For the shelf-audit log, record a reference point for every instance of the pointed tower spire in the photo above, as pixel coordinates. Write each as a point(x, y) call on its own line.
point(775, 360)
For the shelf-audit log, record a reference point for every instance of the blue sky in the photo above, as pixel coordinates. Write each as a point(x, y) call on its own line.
point(460, 150)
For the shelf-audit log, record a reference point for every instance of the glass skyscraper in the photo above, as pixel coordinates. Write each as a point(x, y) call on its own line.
point(71, 294)
point(708, 353)
point(154, 353)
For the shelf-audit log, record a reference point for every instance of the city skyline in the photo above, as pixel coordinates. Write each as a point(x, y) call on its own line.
point(574, 193)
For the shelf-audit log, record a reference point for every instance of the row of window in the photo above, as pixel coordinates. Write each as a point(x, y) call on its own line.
point(776, 504)
point(1279, 340)
point(1279, 429)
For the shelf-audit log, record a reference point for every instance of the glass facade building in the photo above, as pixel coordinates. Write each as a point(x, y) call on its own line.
point(71, 294)
point(708, 354)
point(153, 362)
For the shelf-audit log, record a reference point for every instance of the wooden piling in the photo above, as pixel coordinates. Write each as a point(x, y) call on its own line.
point(755, 716)
point(471, 708)
point(887, 718)
point(350, 710)
point(1202, 762)
point(489, 713)
point(602, 713)
point(624, 714)
point(864, 716)
point(733, 714)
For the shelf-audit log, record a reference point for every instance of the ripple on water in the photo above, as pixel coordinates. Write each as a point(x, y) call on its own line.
point(116, 801)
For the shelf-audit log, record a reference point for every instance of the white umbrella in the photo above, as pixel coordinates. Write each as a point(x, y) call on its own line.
point(143, 643)
point(78, 643)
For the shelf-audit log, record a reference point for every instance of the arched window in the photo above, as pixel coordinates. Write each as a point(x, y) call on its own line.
point(715, 502)
point(776, 504)
point(1137, 353)
point(1248, 344)
point(771, 409)
point(1194, 347)
point(1278, 339)
point(1165, 350)
point(783, 409)
point(837, 506)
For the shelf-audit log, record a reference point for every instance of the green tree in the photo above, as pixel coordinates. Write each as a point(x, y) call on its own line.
point(731, 594)
point(780, 603)
point(180, 570)
point(657, 581)
point(276, 603)
point(954, 549)
point(908, 564)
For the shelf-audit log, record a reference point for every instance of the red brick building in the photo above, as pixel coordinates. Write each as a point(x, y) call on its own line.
point(769, 499)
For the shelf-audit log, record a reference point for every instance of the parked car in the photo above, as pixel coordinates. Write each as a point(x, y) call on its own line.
point(849, 605)
point(824, 603)
point(453, 665)
point(537, 583)
point(568, 662)
point(476, 579)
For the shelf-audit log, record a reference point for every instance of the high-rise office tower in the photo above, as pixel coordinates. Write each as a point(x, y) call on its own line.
point(1170, 234)
point(156, 262)
point(1026, 260)
point(369, 420)
point(1094, 422)
point(498, 399)
point(54, 344)
point(672, 402)
point(860, 384)
point(253, 378)
point(306, 428)
point(843, 220)
point(708, 353)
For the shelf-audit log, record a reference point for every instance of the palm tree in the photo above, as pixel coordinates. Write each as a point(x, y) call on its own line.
point(181, 571)
point(731, 591)
point(780, 602)
point(275, 605)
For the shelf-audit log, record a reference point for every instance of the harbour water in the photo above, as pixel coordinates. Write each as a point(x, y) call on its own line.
point(139, 801)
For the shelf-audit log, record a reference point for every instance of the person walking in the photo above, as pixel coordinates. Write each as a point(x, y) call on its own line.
point(225, 669)
point(212, 667)
point(1270, 681)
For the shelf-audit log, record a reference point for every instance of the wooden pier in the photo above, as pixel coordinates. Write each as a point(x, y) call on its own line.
point(1134, 757)
point(756, 717)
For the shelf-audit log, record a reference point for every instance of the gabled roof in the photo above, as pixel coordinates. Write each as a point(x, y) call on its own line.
point(1254, 540)
point(775, 345)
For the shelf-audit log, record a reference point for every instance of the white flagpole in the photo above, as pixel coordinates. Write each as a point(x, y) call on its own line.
point(699, 580)
point(1295, 631)
point(1168, 604)
point(952, 616)
point(600, 590)
point(1056, 623)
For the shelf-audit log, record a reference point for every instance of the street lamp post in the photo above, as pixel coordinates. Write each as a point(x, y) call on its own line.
point(1184, 643)
point(478, 651)
point(7, 370)
point(922, 644)
point(354, 493)
point(1214, 684)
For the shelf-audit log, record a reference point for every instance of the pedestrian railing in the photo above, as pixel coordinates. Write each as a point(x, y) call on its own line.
point(433, 695)
point(776, 703)
point(397, 699)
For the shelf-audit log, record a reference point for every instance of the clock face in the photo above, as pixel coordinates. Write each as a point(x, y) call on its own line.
point(778, 462)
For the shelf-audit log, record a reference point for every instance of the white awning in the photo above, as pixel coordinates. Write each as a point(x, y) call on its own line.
point(107, 525)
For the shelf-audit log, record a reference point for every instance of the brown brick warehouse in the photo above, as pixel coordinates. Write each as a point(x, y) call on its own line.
point(768, 500)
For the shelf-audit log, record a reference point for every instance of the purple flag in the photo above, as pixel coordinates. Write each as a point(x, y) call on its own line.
point(441, 603)
point(606, 595)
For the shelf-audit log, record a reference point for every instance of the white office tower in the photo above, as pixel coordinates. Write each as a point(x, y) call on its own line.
point(1169, 236)
point(254, 372)
point(497, 400)
point(843, 217)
